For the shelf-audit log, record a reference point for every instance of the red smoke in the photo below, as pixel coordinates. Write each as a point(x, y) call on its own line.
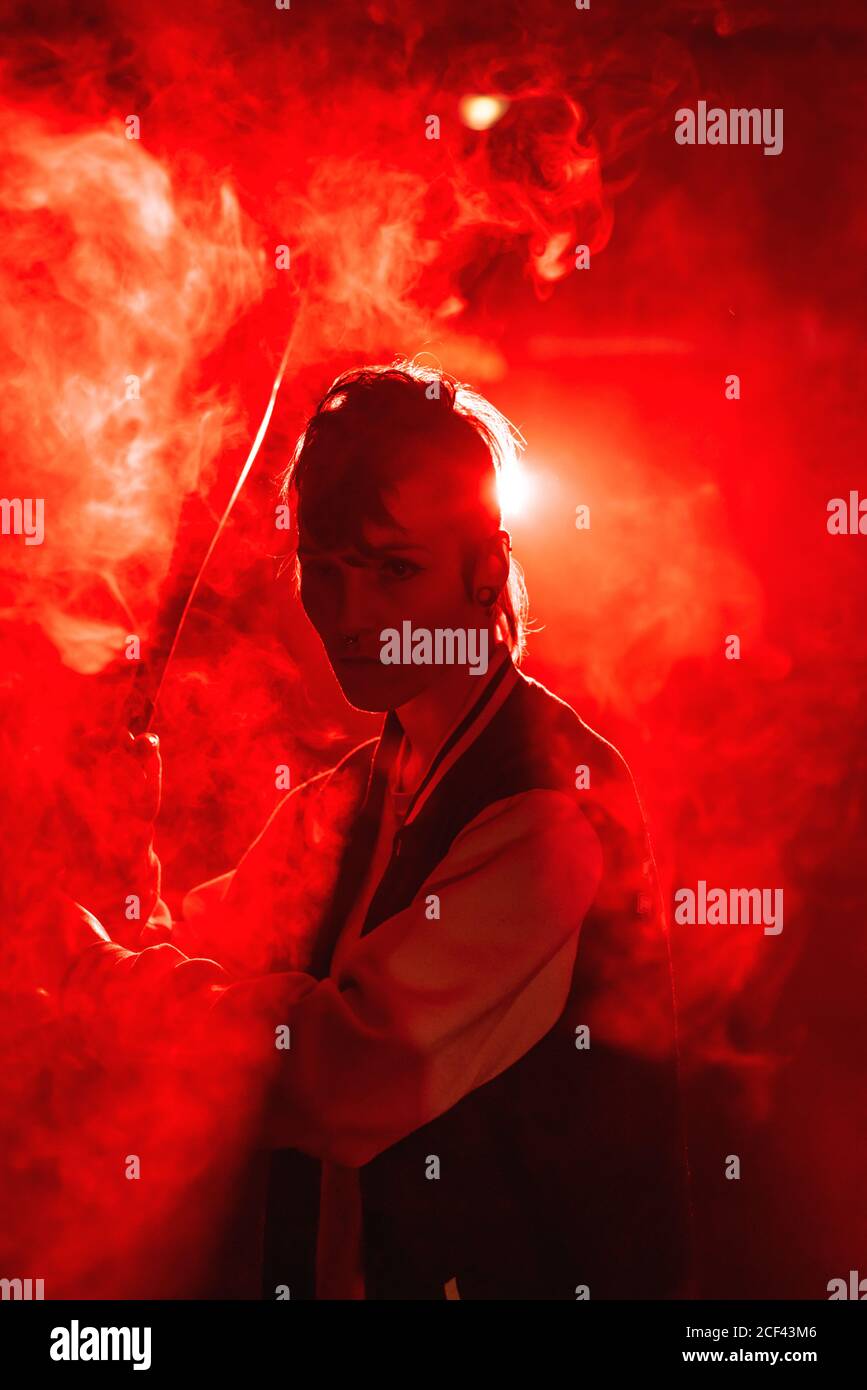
point(158, 259)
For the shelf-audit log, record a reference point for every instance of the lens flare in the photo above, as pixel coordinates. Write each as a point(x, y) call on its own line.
point(514, 489)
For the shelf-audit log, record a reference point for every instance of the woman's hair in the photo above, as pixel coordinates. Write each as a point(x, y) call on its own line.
point(375, 425)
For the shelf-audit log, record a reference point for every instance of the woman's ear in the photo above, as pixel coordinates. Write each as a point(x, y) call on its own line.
point(491, 569)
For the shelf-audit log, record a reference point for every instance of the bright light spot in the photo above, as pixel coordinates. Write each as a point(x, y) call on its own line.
point(480, 113)
point(514, 489)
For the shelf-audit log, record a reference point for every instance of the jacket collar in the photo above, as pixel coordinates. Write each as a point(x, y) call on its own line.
point(497, 684)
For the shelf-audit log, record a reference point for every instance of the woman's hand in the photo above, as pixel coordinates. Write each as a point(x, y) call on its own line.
point(58, 932)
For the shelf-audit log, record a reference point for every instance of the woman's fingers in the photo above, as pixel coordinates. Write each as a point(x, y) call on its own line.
point(145, 749)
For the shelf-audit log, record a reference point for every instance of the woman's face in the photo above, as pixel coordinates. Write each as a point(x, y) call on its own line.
point(410, 570)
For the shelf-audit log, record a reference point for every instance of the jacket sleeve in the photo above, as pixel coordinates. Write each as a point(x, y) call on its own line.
point(434, 1002)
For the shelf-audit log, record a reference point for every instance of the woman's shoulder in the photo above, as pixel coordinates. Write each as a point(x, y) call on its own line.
point(537, 740)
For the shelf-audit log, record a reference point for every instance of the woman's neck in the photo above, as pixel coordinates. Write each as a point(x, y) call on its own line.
point(427, 719)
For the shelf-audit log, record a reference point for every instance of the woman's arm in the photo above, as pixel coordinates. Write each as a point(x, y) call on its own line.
point(424, 1008)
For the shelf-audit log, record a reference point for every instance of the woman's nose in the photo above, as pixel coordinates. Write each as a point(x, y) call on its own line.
point(353, 614)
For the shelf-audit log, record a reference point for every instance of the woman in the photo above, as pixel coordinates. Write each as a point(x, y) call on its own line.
point(428, 959)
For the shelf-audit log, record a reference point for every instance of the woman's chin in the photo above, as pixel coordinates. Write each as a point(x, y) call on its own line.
point(375, 688)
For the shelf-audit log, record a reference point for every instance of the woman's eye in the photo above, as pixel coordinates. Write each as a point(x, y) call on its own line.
point(399, 569)
point(318, 577)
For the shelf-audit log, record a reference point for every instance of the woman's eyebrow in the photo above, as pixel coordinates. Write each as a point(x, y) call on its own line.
point(363, 548)
point(392, 546)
